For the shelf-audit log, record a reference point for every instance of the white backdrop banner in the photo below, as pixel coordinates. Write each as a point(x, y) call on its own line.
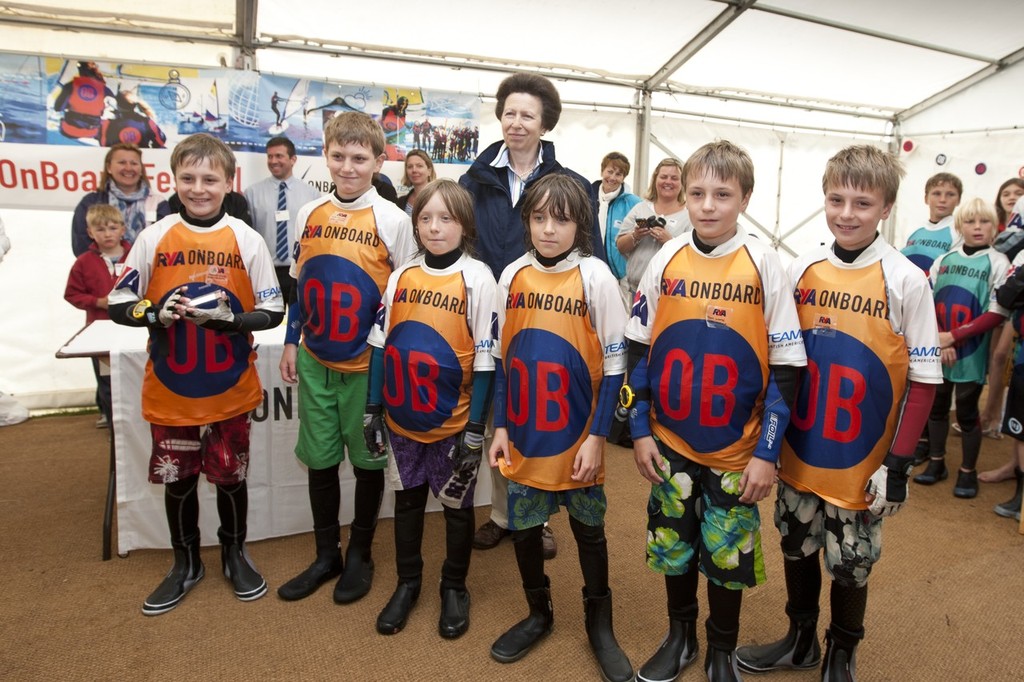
point(278, 498)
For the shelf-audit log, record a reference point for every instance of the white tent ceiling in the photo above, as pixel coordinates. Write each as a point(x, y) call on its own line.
point(851, 67)
point(791, 81)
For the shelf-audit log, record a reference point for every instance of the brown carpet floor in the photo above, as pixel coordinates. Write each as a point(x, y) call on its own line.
point(945, 601)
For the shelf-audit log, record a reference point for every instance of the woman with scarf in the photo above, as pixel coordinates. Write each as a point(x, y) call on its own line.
point(123, 184)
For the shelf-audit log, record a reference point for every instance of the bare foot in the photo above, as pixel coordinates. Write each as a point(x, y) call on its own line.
point(1003, 473)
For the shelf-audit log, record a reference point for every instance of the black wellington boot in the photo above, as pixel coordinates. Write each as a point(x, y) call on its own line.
point(967, 477)
point(677, 650)
point(1011, 508)
point(233, 506)
point(521, 637)
point(938, 431)
point(326, 566)
point(357, 577)
point(720, 660)
point(246, 581)
point(799, 649)
point(393, 617)
point(615, 666)
point(409, 514)
point(840, 664)
point(181, 503)
point(933, 473)
point(183, 576)
point(454, 620)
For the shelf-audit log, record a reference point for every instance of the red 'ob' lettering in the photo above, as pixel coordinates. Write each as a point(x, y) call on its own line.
point(681, 410)
point(710, 390)
point(345, 321)
point(423, 371)
point(211, 364)
point(678, 407)
point(552, 386)
point(421, 378)
point(547, 394)
point(836, 403)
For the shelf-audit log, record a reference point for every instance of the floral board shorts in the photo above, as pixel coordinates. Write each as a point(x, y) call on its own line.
point(529, 506)
point(852, 538)
point(694, 517)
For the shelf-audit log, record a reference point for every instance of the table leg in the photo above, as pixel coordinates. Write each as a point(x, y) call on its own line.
point(108, 512)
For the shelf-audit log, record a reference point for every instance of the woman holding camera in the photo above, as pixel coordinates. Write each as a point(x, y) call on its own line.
point(654, 221)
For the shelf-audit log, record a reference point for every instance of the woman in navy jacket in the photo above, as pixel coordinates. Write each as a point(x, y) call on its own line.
point(528, 106)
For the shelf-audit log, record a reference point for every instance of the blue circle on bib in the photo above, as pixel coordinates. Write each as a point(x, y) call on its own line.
point(708, 417)
point(428, 380)
point(549, 395)
point(840, 430)
point(201, 363)
point(339, 303)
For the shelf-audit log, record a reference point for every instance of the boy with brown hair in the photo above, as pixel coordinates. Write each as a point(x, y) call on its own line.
point(202, 282)
point(868, 325)
point(942, 194)
point(348, 243)
point(715, 348)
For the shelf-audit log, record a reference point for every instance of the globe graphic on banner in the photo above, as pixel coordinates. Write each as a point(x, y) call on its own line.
point(243, 92)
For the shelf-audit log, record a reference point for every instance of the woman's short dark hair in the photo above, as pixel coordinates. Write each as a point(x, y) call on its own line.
point(538, 86)
point(564, 198)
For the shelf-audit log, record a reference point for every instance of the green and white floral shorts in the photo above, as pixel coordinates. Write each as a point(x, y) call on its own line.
point(695, 518)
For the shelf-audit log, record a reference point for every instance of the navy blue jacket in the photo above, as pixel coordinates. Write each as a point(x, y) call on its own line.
point(500, 230)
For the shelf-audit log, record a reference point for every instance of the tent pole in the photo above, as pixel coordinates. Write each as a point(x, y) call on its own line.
point(895, 144)
point(643, 134)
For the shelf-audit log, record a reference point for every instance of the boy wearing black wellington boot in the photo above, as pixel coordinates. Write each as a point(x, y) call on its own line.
point(869, 328)
point(558, 368)
point(349, 243)
point(715, 350)
point(163, 292)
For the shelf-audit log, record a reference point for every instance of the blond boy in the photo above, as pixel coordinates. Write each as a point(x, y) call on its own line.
point(349, 242)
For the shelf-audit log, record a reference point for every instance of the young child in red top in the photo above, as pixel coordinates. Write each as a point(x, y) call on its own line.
point(91, 279)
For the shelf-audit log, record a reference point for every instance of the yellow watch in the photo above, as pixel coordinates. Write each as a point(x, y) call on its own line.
point(627, 396)
point(139, 311)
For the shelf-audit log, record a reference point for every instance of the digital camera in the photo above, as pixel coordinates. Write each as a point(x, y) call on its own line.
point(650, 222)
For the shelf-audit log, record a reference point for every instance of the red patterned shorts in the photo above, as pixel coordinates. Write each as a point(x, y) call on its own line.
point(221, 451)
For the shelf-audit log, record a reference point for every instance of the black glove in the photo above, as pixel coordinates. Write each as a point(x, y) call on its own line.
point(469, 448)
point(1010, 294)
point(374, 431)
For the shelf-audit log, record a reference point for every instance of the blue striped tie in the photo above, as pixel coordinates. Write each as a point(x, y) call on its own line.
point(282, 225)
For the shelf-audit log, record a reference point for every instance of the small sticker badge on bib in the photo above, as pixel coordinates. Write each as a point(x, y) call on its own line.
point(824, 326)
point(717, 317)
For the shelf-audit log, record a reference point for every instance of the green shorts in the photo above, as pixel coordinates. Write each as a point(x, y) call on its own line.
point(331, 406)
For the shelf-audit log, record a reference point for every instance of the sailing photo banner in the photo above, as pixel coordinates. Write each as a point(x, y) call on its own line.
point(53, 110)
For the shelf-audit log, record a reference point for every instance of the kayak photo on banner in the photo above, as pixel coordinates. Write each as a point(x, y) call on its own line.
point(84, 102)
point(102, 104)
